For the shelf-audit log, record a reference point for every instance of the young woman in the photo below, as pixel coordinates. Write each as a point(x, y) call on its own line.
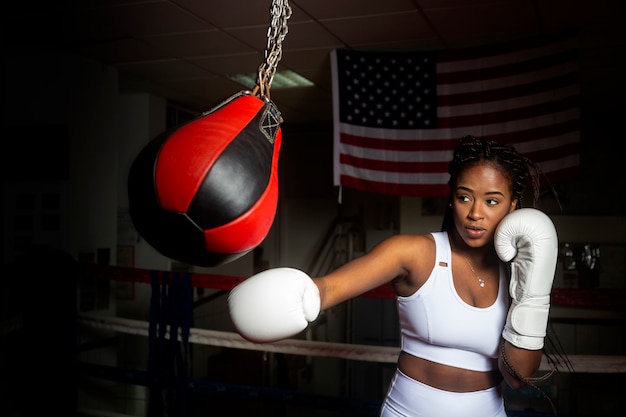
point(461, 332)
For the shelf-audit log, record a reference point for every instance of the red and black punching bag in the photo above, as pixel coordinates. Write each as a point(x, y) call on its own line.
point(206, 192)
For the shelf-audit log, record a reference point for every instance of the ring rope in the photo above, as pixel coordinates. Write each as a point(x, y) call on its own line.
point(611, 298)
point(382, 354)
point(198, 280)
point(369, 353)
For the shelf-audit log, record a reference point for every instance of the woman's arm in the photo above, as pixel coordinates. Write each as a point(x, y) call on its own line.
point(397, 257)
point(280, 302)
point(528, 240)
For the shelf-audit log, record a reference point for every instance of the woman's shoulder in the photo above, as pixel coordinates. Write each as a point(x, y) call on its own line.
point(418, 253)
point(411, 248)
point(403, 239)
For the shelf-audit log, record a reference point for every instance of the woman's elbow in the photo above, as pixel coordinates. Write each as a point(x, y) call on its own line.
point(514, 382)
point(518, 365)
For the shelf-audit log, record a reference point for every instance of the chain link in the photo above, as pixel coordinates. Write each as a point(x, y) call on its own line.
point(280, 12)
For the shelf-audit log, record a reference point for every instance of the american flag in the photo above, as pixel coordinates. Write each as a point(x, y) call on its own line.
point(399, 115)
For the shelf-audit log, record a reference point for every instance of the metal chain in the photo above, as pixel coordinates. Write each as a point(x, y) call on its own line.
point(280, 12)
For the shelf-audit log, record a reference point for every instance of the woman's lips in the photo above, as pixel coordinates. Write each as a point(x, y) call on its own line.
point(474, 232)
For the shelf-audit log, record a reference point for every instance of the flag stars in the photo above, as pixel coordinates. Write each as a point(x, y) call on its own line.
point(384, 92)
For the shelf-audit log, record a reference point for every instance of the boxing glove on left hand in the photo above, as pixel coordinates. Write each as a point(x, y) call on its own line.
point(274, 304)
point(528, 239)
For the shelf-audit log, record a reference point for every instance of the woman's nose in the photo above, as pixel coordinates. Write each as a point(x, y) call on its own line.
point(475, 213)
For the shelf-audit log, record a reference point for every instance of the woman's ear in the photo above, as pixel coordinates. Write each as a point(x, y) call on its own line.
point(513, 205)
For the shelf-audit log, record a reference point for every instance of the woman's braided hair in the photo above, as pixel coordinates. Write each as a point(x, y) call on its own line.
point(520, 170)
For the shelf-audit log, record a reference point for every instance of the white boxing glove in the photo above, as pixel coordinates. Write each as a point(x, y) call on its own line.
point(527, 237)
point(274, 304)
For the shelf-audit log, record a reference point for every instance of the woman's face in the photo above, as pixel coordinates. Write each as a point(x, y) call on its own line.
point(480, 200)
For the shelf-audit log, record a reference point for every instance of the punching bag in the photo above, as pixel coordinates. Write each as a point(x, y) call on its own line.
point(206, 192)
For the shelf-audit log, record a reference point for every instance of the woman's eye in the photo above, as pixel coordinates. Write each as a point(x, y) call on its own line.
point(463, 198)
point(492, 202)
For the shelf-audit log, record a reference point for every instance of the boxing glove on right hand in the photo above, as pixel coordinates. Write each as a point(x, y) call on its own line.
point(528, 240)
point(274, 304)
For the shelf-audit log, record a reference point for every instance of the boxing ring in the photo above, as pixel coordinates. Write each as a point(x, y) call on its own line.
point(175, 334)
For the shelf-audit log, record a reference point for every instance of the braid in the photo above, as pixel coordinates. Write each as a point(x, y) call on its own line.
point(520, 170)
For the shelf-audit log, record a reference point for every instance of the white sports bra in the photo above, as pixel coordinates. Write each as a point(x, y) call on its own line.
point(437, 325)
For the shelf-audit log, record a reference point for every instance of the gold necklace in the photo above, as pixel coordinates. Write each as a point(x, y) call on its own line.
point(481, 281)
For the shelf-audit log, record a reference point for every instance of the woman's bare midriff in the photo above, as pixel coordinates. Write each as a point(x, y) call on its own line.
point(447, 378)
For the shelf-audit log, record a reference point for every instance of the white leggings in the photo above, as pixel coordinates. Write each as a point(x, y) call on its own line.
point(410, 398)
